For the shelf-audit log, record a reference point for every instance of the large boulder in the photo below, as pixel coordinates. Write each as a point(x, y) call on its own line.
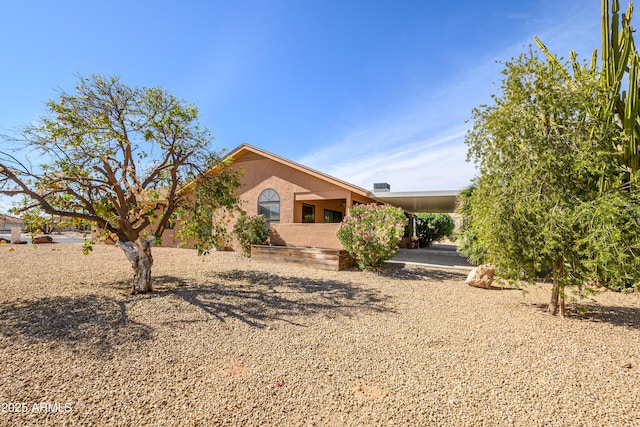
point(481, 276)
point(42, 239)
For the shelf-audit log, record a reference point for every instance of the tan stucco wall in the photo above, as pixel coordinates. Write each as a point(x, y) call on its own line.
point(261, 173)
point(169, 238)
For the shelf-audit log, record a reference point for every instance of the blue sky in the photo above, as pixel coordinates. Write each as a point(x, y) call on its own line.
point(367, 91)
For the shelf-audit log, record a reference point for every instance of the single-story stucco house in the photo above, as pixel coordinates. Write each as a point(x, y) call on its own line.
point(8, 222)
point(303, 206)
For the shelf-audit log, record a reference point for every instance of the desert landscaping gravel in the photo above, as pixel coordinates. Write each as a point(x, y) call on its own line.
point(225, 341)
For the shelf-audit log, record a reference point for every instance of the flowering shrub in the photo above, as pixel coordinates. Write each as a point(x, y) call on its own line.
point(251, 230)
point(372, 233)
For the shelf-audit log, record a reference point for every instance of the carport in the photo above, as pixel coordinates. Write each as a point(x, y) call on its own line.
point(421, 201)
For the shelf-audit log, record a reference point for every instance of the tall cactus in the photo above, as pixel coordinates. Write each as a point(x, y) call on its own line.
point(620, 63)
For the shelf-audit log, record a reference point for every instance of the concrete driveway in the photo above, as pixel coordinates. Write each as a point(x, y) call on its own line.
point(439, 255)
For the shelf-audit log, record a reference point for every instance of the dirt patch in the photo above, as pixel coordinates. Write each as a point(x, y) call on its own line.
point(233, 371)
point(369, 392)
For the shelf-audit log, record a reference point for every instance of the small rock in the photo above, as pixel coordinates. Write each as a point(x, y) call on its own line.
point(481, 276)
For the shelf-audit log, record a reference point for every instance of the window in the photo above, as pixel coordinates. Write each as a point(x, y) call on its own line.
point(308, 213)
point(171, 224)
point(332, 216)
point(269, 205)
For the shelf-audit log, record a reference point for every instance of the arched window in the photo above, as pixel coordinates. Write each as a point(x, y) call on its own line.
point(269, 205)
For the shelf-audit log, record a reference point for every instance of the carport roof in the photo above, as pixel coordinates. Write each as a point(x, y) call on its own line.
point(421, 201)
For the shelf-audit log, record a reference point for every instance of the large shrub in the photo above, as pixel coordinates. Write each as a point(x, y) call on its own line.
point(251, 230)
point(372, 233)
point(432, 227)
point(466, 236)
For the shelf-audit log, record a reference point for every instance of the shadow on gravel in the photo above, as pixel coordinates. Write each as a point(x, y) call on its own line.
point(88, 323)
point(402, 272)
point(257, 298)
point(628, 317)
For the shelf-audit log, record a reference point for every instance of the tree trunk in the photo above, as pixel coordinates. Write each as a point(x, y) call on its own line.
point(557, 293)
point(139, 255)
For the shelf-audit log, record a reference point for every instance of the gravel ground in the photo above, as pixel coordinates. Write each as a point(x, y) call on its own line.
point(227, 341)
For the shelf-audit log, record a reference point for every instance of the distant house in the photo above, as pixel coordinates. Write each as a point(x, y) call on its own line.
point(303, 206)
point(8, 222)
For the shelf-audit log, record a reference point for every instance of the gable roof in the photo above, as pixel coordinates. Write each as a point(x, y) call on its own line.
point(244, 149)
point(10, 220)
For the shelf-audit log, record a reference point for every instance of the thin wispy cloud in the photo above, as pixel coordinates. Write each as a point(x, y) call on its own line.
point(405, 167)
point(422, 147)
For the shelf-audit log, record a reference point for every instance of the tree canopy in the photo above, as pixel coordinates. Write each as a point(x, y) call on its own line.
point(556, 187)
point(120, 157)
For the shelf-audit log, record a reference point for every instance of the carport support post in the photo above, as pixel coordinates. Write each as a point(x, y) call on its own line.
point(15, 234)
point(413, 227)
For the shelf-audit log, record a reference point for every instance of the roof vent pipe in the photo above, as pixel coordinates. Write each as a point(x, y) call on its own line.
point(381, 187)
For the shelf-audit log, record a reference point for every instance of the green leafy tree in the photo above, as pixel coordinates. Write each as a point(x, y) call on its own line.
point(119, 157)
point(550, 176)
point(251, 230)
point(432, 227)
point(35, 220)
point(213, 200)
point(466, 236)
point(372, 233)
